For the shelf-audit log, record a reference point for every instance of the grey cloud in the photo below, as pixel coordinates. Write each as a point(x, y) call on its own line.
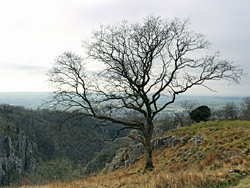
point(29, 69)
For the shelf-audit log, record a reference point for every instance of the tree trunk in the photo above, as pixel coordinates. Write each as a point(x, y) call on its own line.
point(148, 154)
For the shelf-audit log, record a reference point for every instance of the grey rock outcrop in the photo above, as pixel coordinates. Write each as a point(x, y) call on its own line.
point(198, 140)
point(127, 156)
point(17, 155)
point(157, 132)
point(134, 133)
point(175, 140)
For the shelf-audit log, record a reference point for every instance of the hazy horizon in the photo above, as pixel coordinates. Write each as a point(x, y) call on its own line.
point(184, 94)
point(37, 99)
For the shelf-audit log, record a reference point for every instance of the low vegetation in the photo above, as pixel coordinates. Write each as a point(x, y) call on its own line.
point(222, 160)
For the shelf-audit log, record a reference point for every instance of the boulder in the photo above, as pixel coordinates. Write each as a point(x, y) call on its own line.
point(198, 140)
point(175, 140)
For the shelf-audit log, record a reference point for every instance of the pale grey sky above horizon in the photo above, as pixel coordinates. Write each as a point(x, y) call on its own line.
point(34, 32)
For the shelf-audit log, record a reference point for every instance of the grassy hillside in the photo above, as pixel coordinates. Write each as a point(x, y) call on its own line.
point(223, 160)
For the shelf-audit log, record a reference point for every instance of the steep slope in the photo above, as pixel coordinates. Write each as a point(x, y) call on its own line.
point(57, 142)
point(221, 159)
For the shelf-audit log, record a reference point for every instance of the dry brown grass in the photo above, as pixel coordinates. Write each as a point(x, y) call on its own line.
point(169, 177)
point(209, 170)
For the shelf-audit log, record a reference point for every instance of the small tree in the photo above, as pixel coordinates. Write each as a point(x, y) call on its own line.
point(246, 108)
point(202, 113)
point(229, 112)
point(139, 63)
point(183, 117)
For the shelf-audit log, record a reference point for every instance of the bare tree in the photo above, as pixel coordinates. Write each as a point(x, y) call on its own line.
point(227, 112)
point(230, 111)
point(187, 106)
point(180, 117)
point(246, 108)
point(140, 63)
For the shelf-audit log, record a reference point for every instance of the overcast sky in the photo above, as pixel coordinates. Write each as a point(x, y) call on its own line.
point(34, 32)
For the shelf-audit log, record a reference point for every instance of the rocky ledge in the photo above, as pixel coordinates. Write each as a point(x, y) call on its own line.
point(127, 156)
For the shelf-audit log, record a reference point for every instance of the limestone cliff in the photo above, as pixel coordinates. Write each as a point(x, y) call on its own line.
point(17, 156)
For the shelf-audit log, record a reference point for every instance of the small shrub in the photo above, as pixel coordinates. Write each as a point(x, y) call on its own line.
point(202, 113)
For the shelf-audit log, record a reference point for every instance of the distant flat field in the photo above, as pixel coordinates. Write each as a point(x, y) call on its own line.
point(26, 99)
point(36, 99)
